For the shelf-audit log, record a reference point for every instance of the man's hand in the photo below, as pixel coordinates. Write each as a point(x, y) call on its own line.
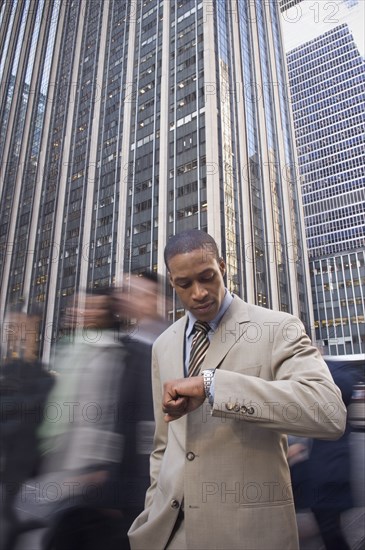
point(182, 396)
point(297, 452)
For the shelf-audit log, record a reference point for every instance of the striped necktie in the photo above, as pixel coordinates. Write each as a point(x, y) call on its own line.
point(199, 347)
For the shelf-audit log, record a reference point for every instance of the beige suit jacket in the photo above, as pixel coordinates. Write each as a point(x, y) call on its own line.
point(227, 465)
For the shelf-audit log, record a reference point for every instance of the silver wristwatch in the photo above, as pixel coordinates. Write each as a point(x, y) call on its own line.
point(208, 375)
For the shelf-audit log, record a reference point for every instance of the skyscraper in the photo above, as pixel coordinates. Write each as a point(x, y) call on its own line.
point(124, 122)
point(327, 80)
point(286, 4)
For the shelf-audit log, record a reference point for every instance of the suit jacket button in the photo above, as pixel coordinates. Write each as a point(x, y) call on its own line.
point(229, 406)
point(174, 503)
point(236, 408)
point(190, 455)
point(251, 410)
point(243, 409)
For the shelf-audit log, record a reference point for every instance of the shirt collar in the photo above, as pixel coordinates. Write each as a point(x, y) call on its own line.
point(214, 322)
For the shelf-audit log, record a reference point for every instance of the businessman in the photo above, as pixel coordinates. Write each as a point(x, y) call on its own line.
point(230, 379)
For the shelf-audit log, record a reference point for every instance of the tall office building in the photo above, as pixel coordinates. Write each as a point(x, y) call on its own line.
point(124, 122)
point(287, 4)
point(327, 80)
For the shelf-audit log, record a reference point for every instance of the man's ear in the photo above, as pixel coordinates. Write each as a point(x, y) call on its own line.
point(170, 279)
point(222, 266)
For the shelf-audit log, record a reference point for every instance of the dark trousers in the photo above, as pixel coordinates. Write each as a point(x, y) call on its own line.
point(88, 529)
point(329, 523)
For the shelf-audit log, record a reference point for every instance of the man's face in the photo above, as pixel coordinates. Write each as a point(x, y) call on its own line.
point(197, 277)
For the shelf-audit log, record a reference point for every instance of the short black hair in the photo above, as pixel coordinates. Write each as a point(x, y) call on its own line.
point(189, 240)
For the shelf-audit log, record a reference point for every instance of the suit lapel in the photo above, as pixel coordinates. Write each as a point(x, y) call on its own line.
point(177, 349)
point(230, 330)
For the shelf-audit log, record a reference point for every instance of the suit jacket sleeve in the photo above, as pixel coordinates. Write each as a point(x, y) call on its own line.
point(292, 390)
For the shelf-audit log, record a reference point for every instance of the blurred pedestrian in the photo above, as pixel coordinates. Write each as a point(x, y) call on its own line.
point(24, 386)
point(142, 296)
point(82, 439)
point(329, 470)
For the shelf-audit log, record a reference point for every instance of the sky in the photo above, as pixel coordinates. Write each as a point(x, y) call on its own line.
point(311, 18)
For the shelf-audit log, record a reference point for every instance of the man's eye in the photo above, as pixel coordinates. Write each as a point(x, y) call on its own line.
point(184, 285)
point(208, 277)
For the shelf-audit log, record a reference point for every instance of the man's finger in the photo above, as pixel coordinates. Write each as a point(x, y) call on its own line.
point(169, 417)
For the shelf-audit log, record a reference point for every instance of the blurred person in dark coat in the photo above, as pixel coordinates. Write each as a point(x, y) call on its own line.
point(321, 470)
point(142, 304)
point(24, 386)
point(329, 470)
point(298, 460)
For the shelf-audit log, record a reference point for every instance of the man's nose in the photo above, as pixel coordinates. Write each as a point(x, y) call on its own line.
point(199, 291)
